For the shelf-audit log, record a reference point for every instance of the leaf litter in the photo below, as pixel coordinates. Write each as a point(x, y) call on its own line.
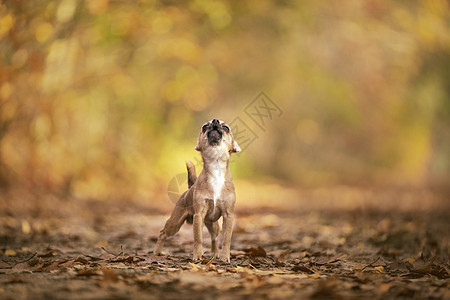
point(332, 252)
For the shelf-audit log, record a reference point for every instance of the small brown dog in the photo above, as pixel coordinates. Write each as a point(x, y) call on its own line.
point(210, 196)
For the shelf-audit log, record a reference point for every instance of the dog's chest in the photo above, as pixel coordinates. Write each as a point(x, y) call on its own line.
point(217, 182)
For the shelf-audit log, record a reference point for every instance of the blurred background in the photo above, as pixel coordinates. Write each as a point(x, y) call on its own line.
point(105, 98)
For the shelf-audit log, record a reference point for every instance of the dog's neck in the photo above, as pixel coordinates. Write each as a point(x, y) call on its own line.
point(216, 167)
point(215, 163)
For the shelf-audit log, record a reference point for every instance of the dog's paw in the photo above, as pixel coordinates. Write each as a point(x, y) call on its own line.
point(225, 258)
point(197, 256)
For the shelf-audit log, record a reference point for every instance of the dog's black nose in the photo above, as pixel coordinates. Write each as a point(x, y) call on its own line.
point(215, 122)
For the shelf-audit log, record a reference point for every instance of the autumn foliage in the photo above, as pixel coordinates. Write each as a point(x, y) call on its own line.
point(344, 118)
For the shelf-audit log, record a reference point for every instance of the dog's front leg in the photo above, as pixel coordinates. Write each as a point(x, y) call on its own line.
point(228, 219)
point(198, 238)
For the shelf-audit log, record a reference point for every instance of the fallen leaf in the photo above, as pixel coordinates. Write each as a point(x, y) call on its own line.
point(194, 267)
point(101, 244)
point(424, 268)
point(440, 272)
point(52, 267)
point(109, 275)
point(364, 277)
point(66, 264)
point(275, 280)
point(15, 279)
point(21, 267)
point(256, 252)
point(9, 252)
point(281, 258)
point(302, 269)
point(82, 261)
point(410, 260)
point(4, 265)
point(88, 272)
point(447, 270)
point(48, 254)
point(383, 288)
point(35, 261)
point(413, 275)
point(240, 269)
point(26, 228)
point(128, 259)
point(211, 267)
point(400, 266)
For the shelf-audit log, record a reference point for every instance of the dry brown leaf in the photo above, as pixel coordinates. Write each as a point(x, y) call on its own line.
point(195, 267)
point(54, 266)
point(21, 266)
point(109, 275)
point(88, 272)
point(302, 268)
point(128, 259)
point(16, 279)
point(82, 261)
point(256, 252)
point(66, 264)
point(4, 265)
point(101, 244)
point(48, 254)
point(424, 268)
point(383, 288)
point(314, 276)
point(239, 269)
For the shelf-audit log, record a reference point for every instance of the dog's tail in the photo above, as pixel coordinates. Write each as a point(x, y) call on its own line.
point(192, 175)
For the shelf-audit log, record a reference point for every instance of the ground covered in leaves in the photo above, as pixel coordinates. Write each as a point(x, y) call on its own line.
point(337, 244)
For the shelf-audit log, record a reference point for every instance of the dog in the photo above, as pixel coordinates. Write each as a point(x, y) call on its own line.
point(210, 196)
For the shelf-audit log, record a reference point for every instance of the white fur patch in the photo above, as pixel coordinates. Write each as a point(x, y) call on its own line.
point(217, 182)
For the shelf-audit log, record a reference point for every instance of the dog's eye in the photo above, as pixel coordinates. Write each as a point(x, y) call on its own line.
point(226, 128)
point(204, 127)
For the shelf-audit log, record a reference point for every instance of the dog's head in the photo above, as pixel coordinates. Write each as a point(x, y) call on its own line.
point(216, 133)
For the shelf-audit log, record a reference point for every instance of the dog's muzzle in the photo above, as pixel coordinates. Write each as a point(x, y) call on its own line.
point(214, 133)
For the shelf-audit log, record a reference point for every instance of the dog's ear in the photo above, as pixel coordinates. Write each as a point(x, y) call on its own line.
point(236, 147)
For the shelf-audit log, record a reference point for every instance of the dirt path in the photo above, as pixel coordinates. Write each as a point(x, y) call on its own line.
point(333, 252)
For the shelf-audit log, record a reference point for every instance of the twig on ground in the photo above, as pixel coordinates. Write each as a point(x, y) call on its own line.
point(210, 261)
point(20, 261)
point(371, 264)
point(28, 259)
point(109, 252)
point(93, 257)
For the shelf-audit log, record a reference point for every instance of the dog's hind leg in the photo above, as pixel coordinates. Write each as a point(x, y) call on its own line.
point(172, 226)
point(213, 229)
